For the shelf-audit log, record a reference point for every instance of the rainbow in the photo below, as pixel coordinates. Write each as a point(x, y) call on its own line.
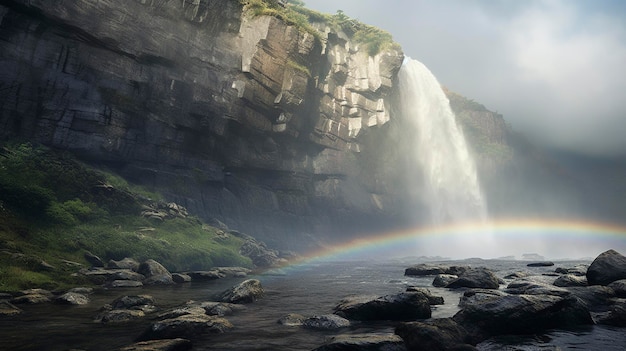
point(553, 238)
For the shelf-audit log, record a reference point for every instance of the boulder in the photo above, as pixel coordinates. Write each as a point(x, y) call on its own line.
point(364, 342)
point(205, 275)
point(442, 280)
point(326, 322)
point(186, 326)
point(180, 278)
point(233, 271)
point(476, 278)
point(435, 335)
point(570, 280)
point(124, 284)
point(530, 287)
point(403, 306)
point(578, 270)
point(31, 299)
point(126, 263)
point(595, 297)
point(432, 299)
point(615, 316)
point(8, 309)
point(474, 296)
point(520, 314)
point(119, 316)
point(135, 302)
point(608, 267)
point(181, 311)
point(432, 269)
point(540, 264)
point(247, 291)
point(81, 290)
point(517, 275)
point(619, 287)
point(292, 319)
point(155, 273)
point(160, 345)
point(93, 260)
point(220, 308)
point(72, 298)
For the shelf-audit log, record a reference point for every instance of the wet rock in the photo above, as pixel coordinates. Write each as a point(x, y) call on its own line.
point(127, 274)
point(180, 278)
point(403, 306)
point(615, 316)
point(81, 290)
point(529, 287)
point(292, 320)
point(233, 271)
point(474, 296)
point(476, 278)
point(432, 299)
point(246, 292)
point(136, 302)
point(8, 309)
point(431, 269)
point(160, 345)
point(326, 322)
point(540, 264)
point(205, 275)
point(220, 308)
point(126, 263)
point(608, 267)
point(155, 273)
point(182, 311)
point(365, 342)
point(93, 260)
point(619, 287)
point(570, 280)
point(187, 326)
point(594, 297)
point(435, 335)
point(119, 316)
point(578, 270)
point(124, 284)
point(31, 299)
point(100, 275)
point(72, 298)
point(517, 275)
point(520, 314)
point(442, 280)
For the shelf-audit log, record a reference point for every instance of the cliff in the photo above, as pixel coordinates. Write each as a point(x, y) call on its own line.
point(240, 117)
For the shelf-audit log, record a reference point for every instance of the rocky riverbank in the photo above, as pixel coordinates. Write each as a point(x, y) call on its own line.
point(530, 301)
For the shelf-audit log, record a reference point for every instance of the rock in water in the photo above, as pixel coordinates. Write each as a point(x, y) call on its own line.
point(403, 306)
point(155, 273)
point(365, 342)
point(326, 322)
point(72, 298)
point(608, 267)
point(160, 345)
point(247, 291)
point(541, 264)
point(436, 335)
point(187, 326)
point(476, 278)
point(520, 314)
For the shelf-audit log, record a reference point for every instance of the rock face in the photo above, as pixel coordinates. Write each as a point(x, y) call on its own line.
point(608, 267)
point(243, 119)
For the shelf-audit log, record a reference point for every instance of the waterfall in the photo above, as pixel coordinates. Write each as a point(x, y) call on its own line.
point(451, 188)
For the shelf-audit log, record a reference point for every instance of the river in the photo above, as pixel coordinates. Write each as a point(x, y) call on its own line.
point(308, 289)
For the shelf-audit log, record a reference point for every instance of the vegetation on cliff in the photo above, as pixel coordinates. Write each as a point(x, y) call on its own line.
point(294, 12)
point(53, 209)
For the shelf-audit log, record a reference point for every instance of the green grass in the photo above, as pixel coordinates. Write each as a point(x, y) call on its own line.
point(48, 216)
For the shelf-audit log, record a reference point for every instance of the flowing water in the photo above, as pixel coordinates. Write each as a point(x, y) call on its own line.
point(307, 289)
point(452, 190)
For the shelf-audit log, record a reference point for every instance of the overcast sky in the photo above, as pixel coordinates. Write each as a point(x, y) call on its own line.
point(554, 69)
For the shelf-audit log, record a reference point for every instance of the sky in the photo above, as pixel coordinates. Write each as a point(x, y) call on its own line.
point(554, 69)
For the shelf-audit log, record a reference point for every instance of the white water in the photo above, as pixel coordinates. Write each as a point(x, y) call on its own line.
point(451, 188)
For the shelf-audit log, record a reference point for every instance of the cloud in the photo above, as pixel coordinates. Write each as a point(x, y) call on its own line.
point(554, 69)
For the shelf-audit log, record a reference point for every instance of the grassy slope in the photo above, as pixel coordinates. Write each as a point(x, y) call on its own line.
point(53, 208)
